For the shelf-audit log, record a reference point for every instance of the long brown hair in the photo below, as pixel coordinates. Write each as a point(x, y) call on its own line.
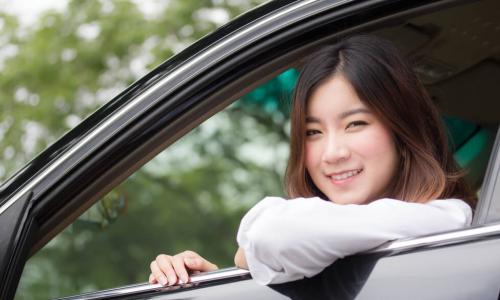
point(386, 83)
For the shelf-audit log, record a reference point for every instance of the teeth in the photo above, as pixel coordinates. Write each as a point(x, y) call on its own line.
point(346, 175)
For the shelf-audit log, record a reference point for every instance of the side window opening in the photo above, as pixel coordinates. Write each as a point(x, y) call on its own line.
point(211, 176)
point(192, 195)
point(471, 145)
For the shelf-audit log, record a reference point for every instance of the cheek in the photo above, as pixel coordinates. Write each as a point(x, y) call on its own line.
point(311, 155)
point(377, 143)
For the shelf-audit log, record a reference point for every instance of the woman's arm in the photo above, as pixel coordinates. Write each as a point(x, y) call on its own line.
point(239, 259)
point(285, 240)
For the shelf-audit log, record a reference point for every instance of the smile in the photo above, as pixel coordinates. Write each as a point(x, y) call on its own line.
point(345, 175)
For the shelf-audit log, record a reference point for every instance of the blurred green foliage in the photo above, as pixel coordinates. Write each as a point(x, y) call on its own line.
point(59, 70)
point(191, 196)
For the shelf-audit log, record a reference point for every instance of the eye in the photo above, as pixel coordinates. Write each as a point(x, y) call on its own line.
point(311, 132)
point(356, 124)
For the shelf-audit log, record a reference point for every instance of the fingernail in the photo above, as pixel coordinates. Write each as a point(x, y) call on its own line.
point(171, 280)
point(163, 281)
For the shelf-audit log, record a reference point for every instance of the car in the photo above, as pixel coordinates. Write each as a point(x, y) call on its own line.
point(455, 48)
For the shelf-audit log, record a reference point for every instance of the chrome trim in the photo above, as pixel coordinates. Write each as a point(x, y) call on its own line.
point(146, 287)
point(440, 239)
point(195, 60)
point(217, 275)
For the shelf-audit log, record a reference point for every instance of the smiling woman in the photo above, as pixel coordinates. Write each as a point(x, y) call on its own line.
point(369, 163)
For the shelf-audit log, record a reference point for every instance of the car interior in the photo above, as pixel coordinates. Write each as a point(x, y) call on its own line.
point(456, 53)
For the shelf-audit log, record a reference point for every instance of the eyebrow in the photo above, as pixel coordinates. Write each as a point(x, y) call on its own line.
point(343, 115)
point(351, 112)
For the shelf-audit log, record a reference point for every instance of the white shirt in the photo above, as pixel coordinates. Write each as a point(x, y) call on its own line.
point(286, 240)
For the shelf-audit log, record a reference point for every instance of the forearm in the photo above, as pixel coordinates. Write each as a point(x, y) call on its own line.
point(240, 260)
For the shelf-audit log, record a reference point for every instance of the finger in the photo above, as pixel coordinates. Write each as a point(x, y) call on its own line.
point(199, 264)
point(180, 268)
point(157, 273)
point(165, 264)
point(152, 279)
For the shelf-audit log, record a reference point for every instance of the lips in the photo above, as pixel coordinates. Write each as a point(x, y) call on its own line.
point(345, 174)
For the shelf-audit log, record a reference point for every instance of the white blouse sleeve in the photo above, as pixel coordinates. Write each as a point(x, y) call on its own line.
point(285, 240)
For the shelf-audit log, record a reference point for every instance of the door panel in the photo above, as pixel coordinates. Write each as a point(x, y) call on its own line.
point(461, 271)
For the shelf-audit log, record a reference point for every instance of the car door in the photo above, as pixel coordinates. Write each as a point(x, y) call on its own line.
point(154, 112)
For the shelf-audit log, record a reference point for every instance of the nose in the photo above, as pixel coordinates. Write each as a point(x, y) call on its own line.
point(335, 150)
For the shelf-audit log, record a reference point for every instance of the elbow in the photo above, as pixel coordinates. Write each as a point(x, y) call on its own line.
point(267, 239)
point(271, 245)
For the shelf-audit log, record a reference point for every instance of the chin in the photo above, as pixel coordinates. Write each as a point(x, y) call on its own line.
point(349, 200)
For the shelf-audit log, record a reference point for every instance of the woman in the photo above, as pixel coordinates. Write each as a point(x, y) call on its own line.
point(366, 138)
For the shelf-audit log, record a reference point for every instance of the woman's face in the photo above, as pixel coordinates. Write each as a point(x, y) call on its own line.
point(350, 155)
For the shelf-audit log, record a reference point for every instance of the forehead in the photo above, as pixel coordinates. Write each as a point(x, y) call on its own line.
point(335, 95)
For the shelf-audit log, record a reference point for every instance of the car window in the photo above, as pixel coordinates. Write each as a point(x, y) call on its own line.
point(193, 195)
point(190, 196)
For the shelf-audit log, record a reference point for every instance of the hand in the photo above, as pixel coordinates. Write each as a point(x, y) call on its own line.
point(166, 269)
point(240, 260)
